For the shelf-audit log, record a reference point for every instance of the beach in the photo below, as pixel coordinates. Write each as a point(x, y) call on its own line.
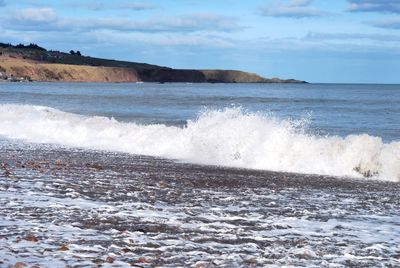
point(71, 207)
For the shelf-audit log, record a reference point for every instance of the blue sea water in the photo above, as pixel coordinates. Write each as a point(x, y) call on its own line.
point(334, 109)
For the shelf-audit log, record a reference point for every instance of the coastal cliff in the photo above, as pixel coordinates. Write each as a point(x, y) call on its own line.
point(33, 63)
point(20, 70)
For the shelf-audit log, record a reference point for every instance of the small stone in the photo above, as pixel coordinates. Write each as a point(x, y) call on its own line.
point(31, 238)
point(19, 265)
point(98, 261)
point(125, 250)
point(202, 265)
point(110, 259)
point(252, 261)
point(142, 260)
point(6, 173)
point(63, 248)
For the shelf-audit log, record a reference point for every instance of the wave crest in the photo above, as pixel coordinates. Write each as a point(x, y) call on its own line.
point(228, 137)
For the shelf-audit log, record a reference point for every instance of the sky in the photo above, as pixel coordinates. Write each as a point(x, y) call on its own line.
point(328, 41)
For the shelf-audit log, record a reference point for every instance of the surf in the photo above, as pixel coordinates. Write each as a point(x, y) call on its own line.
point(228, 137)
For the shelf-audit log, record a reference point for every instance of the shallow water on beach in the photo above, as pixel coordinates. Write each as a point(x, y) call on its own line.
point(63, 207)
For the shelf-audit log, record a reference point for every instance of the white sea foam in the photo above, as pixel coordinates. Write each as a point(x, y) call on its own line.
point(228, 137)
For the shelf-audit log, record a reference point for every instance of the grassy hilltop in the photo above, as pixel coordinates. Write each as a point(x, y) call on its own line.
point(32, 62)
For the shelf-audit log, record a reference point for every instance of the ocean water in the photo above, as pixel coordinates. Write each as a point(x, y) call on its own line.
point(327, 129)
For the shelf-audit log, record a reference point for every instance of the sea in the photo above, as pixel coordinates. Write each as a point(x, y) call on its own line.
point(202, 175)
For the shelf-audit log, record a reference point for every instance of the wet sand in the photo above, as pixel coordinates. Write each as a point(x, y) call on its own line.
point(68, 207)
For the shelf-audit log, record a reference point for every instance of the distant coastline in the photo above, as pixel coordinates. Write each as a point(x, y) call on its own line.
point(23, 63)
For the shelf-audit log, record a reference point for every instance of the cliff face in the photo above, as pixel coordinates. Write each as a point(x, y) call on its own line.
point(232, 76)
point(43, 65)
point(65, 73)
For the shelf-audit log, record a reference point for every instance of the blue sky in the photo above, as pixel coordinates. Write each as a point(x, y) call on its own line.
point(355, 41)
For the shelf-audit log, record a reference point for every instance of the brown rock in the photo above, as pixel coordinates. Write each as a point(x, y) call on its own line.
point(251, 261)
point(31, 238)
point(34, 165)
point(110, 259)
point(5, 168)
point(63, 248)
point(141, 260)
point(6, 173)
point(19, 265)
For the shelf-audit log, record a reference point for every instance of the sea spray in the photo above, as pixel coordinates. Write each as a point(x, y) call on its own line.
point(228, 137)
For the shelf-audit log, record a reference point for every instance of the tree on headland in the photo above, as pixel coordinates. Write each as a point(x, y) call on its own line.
point(77, 53)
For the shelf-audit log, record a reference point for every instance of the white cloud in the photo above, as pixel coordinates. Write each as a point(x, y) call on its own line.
point(390, 23)
point(293, 9)
point(300, 2)
point(385, 6)
point(35, 15)
point(137, 6)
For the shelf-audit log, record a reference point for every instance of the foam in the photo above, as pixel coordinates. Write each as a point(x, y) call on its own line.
point(229, 137)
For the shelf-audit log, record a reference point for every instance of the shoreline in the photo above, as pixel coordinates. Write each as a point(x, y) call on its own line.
point(259, 177)
point(140, 82)
point(83, 207)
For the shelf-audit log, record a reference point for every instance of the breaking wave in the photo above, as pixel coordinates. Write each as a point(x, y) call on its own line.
point(228, 137)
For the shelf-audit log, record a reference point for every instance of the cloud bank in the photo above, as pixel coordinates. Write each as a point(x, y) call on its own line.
point(100, 6)
point(391, 23)
point(383, 6)
point(45, 19)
